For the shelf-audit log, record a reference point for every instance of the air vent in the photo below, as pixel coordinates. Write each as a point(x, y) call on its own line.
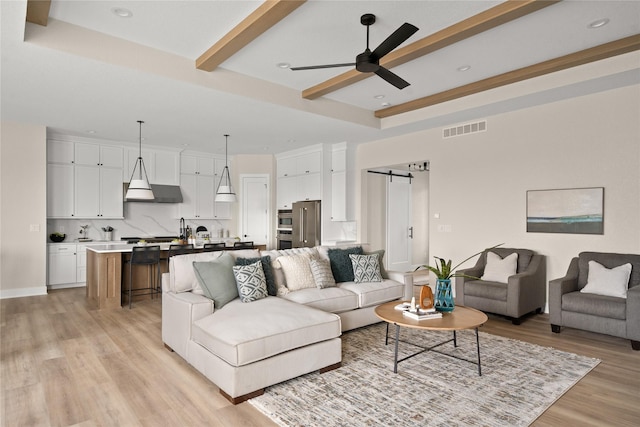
point(464, 129)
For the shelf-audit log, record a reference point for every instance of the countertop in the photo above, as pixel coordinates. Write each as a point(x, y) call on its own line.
point(127, 247)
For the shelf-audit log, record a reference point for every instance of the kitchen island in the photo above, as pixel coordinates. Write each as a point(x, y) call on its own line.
point(108, 273)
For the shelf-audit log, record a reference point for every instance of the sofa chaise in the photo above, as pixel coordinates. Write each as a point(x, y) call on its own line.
point(244, 347)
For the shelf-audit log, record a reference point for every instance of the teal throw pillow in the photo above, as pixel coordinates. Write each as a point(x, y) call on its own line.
point(217, 280)
point(341, 263)
point(250, 280)
point(272, 286)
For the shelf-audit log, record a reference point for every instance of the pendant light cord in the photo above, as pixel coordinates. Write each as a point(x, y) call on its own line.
point(140, 145)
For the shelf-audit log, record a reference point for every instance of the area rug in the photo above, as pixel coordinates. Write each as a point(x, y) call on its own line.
point(519, 382)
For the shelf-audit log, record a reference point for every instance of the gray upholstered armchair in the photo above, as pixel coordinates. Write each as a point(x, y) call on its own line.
point(522, 293)
point(604, 314)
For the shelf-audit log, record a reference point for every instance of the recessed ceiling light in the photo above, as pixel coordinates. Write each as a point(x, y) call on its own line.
point(386, 104)
point(91, 131)
point(122, 12)
point(379, 97)
point(599, 23)
point(464, 68)
point(283, 65)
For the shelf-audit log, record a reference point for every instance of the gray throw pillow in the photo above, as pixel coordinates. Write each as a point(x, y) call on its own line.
point(217, 280)
point(272, 287)
point(341, 263)
point(380, 252)
point(365, 268)
point(250, 280)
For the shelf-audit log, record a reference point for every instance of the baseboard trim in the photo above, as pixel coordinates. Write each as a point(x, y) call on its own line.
point(23, 292)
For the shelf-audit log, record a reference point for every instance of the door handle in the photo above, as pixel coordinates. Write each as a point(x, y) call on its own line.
point(411, 232)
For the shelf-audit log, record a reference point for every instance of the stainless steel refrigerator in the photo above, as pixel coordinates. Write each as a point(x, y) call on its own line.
point(306, 224)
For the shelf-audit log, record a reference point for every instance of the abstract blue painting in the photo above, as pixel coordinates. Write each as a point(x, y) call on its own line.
point(572, 210)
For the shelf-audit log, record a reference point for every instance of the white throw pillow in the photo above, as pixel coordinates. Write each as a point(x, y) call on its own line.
point(499, 269)
point(612, 282)
point(297, 272)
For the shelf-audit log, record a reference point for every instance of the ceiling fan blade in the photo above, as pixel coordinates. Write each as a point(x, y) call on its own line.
point(392, 78)
point(315, 67)
point(398, 37)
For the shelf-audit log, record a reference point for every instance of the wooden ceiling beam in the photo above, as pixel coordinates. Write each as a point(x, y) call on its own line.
point(260, 20)
point(38, 11)
point(603, 51)
point(491, 18)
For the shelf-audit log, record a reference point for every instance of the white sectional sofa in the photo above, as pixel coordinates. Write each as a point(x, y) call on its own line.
point(244, 347)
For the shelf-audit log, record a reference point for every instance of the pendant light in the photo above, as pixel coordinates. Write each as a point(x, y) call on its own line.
point(139, 188)
point(225, 193)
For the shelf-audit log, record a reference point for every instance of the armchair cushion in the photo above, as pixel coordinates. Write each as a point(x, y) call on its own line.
point(486, 289)
point(499, 269)
point(607, 281)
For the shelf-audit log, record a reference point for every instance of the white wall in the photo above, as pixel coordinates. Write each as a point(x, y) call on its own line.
point(478, 182)
point(23, 210)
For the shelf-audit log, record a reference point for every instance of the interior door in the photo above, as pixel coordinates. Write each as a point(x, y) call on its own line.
point(255, 208)
point(399, 229)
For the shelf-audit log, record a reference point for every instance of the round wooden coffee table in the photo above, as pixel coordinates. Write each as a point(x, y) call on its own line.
point(460, 318)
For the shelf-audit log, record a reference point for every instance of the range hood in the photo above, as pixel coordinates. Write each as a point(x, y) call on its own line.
point(162, 194)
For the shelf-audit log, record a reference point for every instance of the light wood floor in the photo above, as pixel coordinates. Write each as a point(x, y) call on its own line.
point(64, 365)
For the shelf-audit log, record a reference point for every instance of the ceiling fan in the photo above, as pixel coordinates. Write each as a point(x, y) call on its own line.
point(368, 61)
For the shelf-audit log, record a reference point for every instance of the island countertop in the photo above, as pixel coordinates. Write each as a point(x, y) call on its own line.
point(128, 247)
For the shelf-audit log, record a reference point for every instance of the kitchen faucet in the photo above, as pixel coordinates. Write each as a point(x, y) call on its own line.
point(183, 231)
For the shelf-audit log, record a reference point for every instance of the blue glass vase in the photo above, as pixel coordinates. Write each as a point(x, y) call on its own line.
point(444, 297)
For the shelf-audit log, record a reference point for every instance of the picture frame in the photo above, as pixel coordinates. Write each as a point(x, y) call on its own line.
point(570, 210)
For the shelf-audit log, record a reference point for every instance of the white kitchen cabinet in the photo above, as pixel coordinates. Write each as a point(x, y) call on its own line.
point(287, 192)
point(98, 192)
point(60, 190)
point(197, 165)
point(197, 196)
point(60, 151)
point(62, 264)
point(205, 193)
point(84, 180)
point(167, 168)
point(309, 163)
point(189, 189)
point(98, 155)
point(163, 167)
point(299, 178)
point(199, 180)
point(87, 191)
point(309, 186)
point(287, 167)
point(81, 263)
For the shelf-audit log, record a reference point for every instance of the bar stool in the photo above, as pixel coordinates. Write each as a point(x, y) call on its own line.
point(149, 256)
point(243, 245)
point(210, 247)
point(177, 249)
